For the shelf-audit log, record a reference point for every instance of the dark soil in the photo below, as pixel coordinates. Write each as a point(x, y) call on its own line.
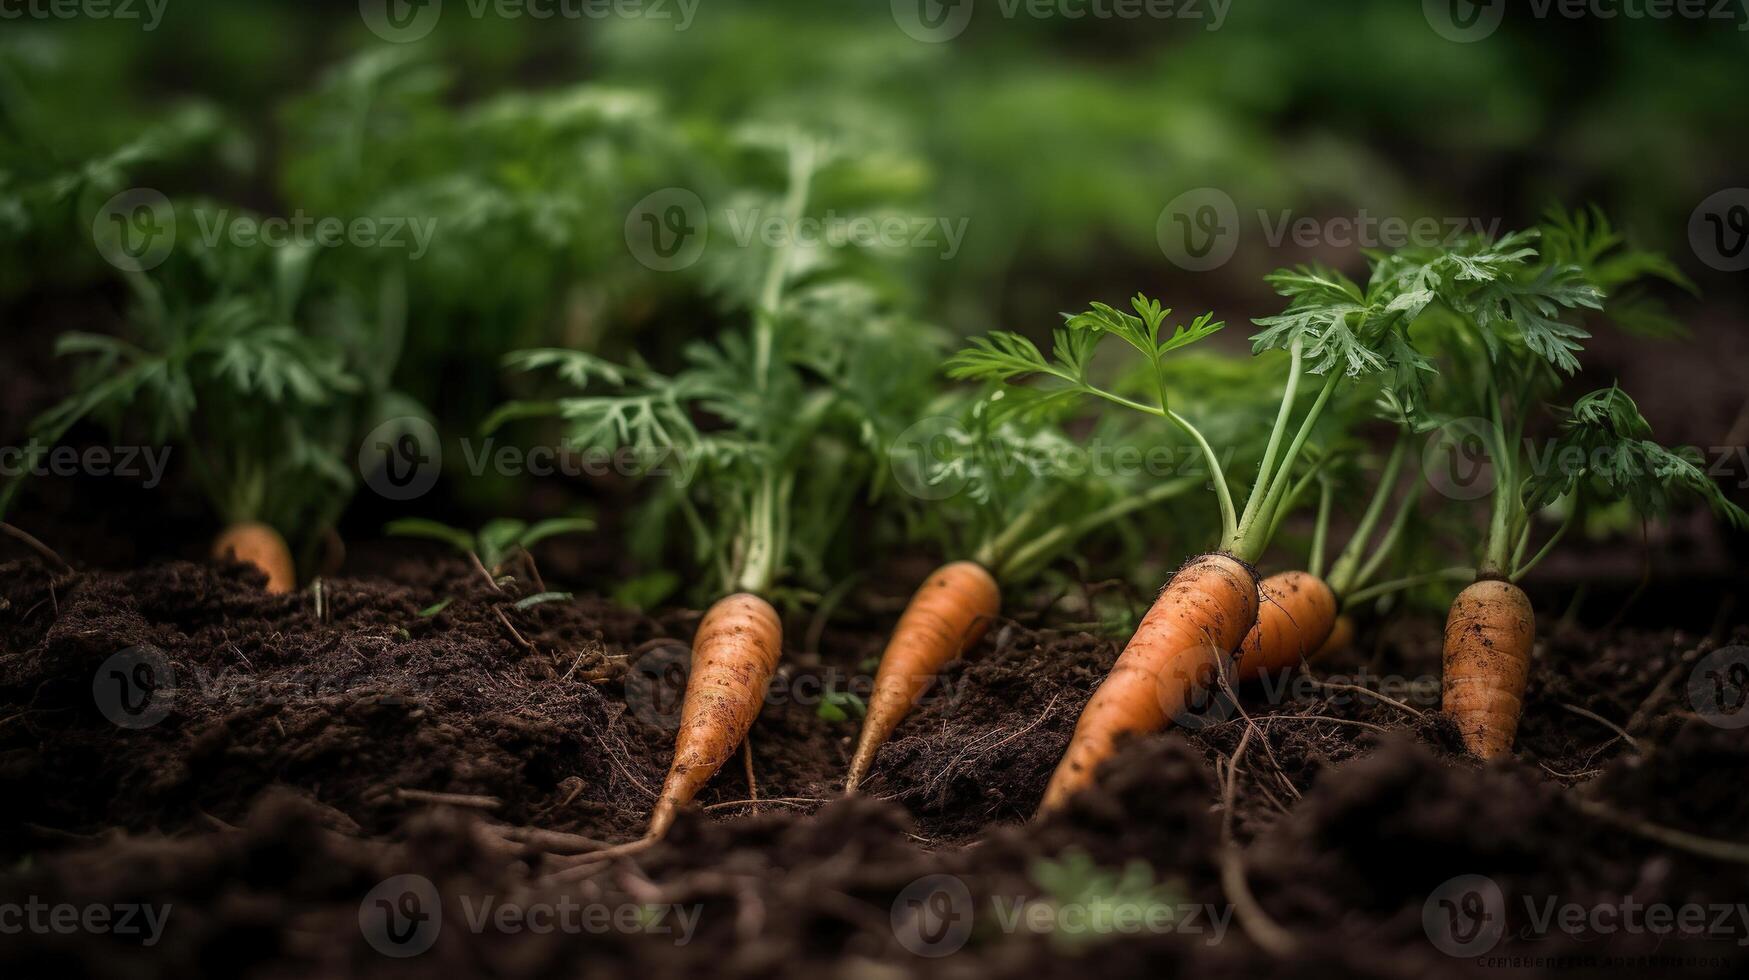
point(309, 755)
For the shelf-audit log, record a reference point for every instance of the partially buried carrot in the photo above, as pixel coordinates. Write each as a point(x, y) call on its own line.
point(257, 544)
point(944, 618)
point(1200, 617)
point(1296, 614)
point(1488, 639)
point(733, 657)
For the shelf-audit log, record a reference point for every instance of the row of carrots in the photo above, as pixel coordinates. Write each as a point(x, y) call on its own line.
point(1477, 332)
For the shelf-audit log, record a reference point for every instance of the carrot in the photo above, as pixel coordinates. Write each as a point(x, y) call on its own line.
point(1199, 619)
point(943, 619)
point(1296, 614)
point(1340, 638)
point(733, 657)
point(257, 544)
point(1488, 639)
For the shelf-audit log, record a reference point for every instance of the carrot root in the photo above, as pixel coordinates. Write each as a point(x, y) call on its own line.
point(733, 657)
point(1296, 614)
point(1488, 640)
point(943, 619)
point(257, 544)
point(1341, 638)
point(1187, 636)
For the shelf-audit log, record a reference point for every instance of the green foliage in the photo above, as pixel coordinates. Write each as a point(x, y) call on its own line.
point(263, 365)
point(1103, 897)
point(496, 542)
point(1605, 450)
point(764, 436)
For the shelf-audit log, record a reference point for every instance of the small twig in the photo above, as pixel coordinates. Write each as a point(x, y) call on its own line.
point(786, 800)
point(533, 571)
point(1679, 839)
point(1263, 930)
point(33, 544)
point(1361, 690)
point(447, 799)
point(550, 841)
point(518, 637)
point(1336, 721)
point(1605, 722)
point(747, 756)
point(588, 864)
point(480, 566)
point(1662, 689)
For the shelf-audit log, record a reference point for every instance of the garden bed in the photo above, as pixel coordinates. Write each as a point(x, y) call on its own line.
point(309, 755)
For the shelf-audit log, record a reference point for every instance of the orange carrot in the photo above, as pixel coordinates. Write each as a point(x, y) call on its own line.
point(1341, 637)
point(944, 618)
point(1488, 639)
point(733, 657)
point(1296, 613)
point(257, 544)
point(1186, 637)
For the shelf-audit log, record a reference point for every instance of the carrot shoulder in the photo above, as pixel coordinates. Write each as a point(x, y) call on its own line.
point(1296, 613)
point(1199, 619)
point(257, 544)
point(944, 618)
point(733, 657)
point(1488, 640)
